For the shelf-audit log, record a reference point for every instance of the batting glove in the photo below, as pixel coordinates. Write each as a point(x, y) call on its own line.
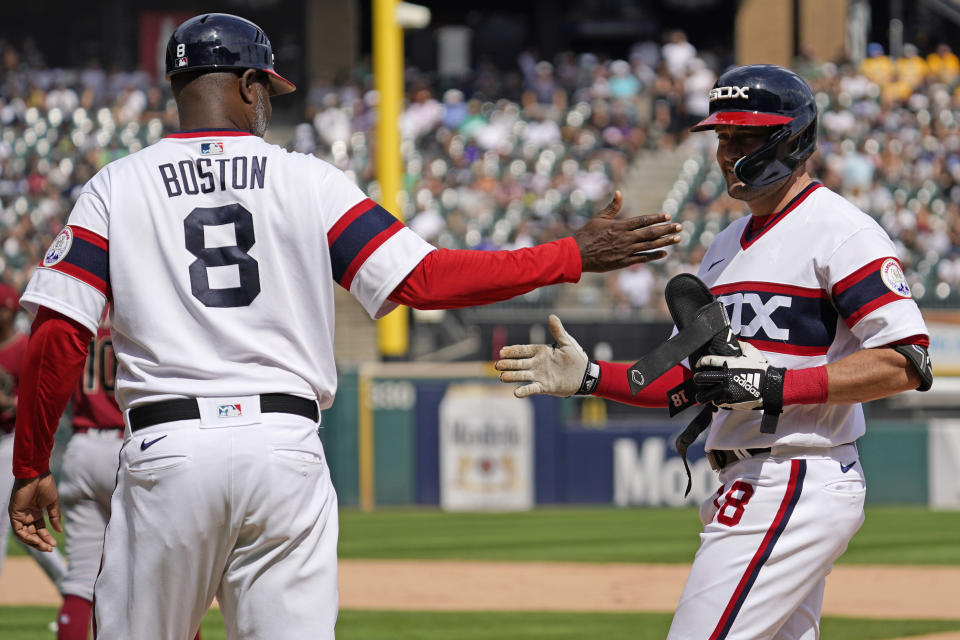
point(562, 369)
point(739, 382)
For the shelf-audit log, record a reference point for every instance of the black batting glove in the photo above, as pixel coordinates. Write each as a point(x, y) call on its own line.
point(739, 382)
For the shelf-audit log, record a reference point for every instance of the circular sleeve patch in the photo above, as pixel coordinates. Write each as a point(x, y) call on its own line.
point(892, 276)
point(59, 247)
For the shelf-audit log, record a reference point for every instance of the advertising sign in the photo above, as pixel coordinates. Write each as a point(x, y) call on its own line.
point(486, 449)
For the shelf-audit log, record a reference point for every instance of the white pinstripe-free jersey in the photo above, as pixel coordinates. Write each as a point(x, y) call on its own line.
point(219, 252)
point(818, 282)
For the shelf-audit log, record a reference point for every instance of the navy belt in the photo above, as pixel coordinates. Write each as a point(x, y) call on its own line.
point(188, 409)
point(720, 458)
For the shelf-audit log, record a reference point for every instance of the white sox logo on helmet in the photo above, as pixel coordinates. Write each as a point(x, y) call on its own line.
point(725, 93)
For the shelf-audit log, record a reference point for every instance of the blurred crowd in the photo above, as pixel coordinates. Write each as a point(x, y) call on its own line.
point(510, 158)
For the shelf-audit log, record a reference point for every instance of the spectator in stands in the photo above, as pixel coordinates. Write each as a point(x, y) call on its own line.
point(542, 91)
point(944, 64)
point(632, 288)
point(877, 67)
point(696, 87)
point(623, 84)
point(911, 68)
point(677, 53)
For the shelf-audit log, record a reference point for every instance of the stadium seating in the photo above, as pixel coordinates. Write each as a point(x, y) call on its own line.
point(515, 158)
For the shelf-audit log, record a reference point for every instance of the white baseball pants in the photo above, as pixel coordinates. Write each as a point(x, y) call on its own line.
point(771, 535)
point(243, 513)
point(87, 479)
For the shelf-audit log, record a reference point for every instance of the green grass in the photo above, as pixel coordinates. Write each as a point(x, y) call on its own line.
point(554, 534)
point(906, 535)
point(891, 535)
point(30, 623)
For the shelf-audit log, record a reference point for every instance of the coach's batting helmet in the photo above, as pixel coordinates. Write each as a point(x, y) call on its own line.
point(220, 41)
point(765, 95)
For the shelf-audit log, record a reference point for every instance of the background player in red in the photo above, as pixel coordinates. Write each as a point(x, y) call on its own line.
point(87, 480)
point(13, 346)
point(826, 321)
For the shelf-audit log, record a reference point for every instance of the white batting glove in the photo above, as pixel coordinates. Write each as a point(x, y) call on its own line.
point(557, 370)
point(738, 382)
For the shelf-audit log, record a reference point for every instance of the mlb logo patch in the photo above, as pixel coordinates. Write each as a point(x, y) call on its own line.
point(229, 410)
point(182, 62)
point(211, 148)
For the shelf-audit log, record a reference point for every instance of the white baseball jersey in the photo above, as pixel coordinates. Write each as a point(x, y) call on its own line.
point(818, 282)
point(221, 251)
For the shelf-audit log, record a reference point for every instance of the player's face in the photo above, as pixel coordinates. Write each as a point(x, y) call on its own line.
point(733, 143)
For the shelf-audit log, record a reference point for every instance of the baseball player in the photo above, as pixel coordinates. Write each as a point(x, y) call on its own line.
point(87, 479)
point(825, 319)
point(223, 251)
point(13, 346)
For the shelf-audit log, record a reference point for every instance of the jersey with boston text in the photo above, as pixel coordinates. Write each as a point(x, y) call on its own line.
point(818, 282)
point(219, 252)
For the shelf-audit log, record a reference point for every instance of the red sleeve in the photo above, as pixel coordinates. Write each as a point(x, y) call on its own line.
point(54, 361)
point(614, 385)
point(448, 279)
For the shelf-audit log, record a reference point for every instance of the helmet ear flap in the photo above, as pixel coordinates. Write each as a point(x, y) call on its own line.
point(806, 143)
point(763, 167)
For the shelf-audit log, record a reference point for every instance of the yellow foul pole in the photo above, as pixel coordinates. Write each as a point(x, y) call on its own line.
point(392, 330)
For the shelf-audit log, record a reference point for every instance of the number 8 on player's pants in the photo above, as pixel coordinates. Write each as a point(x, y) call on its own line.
point(771, 535)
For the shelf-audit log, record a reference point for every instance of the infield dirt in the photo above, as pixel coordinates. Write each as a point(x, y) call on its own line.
point(857, 591)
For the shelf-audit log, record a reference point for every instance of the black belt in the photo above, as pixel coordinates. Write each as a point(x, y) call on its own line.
point(188, 409)
point(720, 458)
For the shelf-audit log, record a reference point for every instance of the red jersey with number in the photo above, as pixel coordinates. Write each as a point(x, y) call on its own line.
point(11, 363)
point(94, 406)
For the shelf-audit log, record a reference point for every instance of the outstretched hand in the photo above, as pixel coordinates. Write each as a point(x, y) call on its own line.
point(557, 370)
point(28, 502)
point(607, 242)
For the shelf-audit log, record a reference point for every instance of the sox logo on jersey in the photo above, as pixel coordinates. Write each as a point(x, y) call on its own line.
point(763, 312)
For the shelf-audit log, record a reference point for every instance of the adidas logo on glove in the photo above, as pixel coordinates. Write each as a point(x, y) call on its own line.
point(749, 382)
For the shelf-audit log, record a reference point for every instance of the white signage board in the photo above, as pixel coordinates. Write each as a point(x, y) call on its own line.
point(486, 449)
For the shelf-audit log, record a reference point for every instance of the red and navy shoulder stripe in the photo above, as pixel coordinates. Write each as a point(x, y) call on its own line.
point(870, 287)
point(356, 235)
point(81, 254)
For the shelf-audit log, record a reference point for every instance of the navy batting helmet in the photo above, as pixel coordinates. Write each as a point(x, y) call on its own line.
point(765, 95)
point(220, 41)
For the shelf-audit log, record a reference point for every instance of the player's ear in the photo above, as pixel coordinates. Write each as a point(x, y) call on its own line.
point(248, 86)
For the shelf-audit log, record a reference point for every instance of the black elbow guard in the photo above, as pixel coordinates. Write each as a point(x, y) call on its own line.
point(920, 359)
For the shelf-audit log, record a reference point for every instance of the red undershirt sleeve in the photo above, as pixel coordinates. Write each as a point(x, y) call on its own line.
point(55, 356)
point(614, 385)
point(448, 279)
